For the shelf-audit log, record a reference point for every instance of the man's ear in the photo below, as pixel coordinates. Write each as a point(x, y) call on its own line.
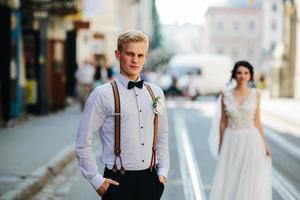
point(117, 54)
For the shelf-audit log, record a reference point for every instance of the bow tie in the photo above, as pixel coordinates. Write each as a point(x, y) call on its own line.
point(138, 84)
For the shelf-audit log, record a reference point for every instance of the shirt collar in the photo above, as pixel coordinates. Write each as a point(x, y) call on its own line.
point(124, 80)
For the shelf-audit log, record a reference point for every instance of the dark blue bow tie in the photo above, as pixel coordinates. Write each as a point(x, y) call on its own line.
point(138, 84)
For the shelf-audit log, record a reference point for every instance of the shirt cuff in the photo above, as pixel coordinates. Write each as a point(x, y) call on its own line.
point(97, 181)
point(162, 172)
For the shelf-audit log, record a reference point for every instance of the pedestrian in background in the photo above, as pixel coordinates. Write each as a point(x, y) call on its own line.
point(261, 83)
point(128, 115)
point(110, 72)
point(98, 77)
point(244, 165)
point(85, 79)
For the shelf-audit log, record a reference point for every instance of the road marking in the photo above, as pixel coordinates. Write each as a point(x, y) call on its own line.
point(193, 187)
point(285, 189)
point(283, 143)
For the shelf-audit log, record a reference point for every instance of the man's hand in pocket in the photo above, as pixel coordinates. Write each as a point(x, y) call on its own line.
point(103, 188)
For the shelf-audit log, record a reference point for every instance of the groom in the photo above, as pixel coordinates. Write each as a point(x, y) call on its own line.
point(134, 135)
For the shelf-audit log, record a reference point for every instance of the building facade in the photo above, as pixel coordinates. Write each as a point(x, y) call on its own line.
point(297, 48)
point(12, 67)
point(272, 26)
point(284, 65)
point(234, 28)
point(46, 55)
point(272, 30)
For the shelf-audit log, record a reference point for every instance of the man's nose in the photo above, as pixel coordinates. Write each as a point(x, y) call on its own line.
point(134, 59)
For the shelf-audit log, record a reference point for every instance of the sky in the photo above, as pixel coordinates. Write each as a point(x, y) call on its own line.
point(183, 11)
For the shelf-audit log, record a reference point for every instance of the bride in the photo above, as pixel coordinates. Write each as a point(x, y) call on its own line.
point(244, 165)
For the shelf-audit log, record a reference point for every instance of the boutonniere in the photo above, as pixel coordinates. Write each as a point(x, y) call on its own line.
point(158, 105)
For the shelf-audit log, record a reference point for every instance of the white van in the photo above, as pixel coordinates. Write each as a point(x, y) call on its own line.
point(201, 74)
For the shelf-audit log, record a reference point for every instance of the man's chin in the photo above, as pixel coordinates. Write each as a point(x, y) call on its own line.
point(135, 72)
point(131, 74)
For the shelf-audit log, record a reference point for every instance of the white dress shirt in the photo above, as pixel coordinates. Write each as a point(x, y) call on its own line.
point(136, 131)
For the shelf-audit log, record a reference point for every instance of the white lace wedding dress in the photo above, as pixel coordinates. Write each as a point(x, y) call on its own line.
point(244, 170)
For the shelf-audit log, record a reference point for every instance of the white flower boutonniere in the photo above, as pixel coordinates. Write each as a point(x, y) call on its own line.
point(158, 105)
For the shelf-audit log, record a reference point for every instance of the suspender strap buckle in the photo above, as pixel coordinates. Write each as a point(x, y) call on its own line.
point(122, 171)
point(115, 169)
point(118, 152)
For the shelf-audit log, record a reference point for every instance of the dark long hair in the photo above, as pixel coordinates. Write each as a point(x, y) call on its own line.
point(244, 64)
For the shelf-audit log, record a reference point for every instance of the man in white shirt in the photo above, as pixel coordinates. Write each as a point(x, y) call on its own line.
point(131, 172)
point(85, 79)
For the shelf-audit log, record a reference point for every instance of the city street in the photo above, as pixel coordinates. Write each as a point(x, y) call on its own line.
point(192, 166)
point(54, 53)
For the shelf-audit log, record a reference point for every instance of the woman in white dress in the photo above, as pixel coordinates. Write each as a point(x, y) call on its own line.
point(244, 165)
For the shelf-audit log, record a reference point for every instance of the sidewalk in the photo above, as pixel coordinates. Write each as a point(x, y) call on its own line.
point(32, 152)
point(282, 114)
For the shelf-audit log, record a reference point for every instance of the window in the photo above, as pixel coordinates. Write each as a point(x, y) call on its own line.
point(274, 25)
point(180, 71)
point(273, 45)
point(251, 26)
point(220, 26)
point(236, 26)
point(274, 7)
point(220, 50)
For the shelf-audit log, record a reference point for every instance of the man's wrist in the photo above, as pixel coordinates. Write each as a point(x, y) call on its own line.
point(102, 188)
point(99, 191)
point(162, 172)
point(97, 181)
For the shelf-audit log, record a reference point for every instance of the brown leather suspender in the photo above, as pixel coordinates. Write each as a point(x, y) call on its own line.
point(155, 126)
point(117, 149)
point(117, 128)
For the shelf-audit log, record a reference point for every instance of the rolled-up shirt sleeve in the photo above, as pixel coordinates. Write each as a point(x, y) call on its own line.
point(94, 114)
point(162, 142)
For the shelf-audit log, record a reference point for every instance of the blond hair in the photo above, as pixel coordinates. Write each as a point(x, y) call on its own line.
point(131, 36)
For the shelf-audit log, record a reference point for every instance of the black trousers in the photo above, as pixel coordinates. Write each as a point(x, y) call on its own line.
point(134, 185)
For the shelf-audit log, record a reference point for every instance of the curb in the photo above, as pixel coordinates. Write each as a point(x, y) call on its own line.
point(41, 176)
point(14, 122)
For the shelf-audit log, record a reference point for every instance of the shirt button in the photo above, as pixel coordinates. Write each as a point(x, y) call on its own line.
point(142, 160)
point(142, 144)
point(136, 95)
point(140, 110)
point(142, 127)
